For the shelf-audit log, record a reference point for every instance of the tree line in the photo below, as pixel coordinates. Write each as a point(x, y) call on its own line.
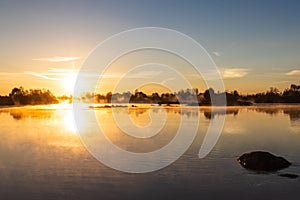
point(194, 97)
point(20, 96)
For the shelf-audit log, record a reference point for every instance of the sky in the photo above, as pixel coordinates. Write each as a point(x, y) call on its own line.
point(43, 44)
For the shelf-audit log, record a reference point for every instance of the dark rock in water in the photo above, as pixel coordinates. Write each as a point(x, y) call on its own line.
point(263, 161)
point(289, 175)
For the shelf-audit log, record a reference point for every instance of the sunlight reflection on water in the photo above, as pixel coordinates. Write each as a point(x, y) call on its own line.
point(42, 156)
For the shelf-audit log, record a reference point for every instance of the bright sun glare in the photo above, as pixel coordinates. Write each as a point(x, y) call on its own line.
point(68, 83)
point(69, 122)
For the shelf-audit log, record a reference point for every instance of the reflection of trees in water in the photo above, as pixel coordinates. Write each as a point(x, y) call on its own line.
point(170, 110)
point(19, 114)
point(16, 116)
point(138, 111)
point(188, 112)
point(294, 114)
point(209, 114)
point(270, 111)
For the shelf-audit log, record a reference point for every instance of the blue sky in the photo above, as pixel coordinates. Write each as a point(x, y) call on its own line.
point(255, 41)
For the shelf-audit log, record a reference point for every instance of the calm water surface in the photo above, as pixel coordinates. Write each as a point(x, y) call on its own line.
point(42, 157)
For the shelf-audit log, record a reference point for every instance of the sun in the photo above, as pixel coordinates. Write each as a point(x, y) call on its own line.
point(68, 83)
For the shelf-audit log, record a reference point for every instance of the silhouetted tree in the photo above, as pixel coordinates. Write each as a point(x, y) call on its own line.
point(273, 95)
point(20, 96)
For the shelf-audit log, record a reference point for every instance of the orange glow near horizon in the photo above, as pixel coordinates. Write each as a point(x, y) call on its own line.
point(68, 82)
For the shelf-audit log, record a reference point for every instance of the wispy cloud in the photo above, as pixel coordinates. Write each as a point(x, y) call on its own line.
point(169, 79)
point(293, 72)
point(143, 74)
point(216, 53)
point(235, 72)
point(58, 59)
point(61, 73)
point(53, 73)
point(41, 75)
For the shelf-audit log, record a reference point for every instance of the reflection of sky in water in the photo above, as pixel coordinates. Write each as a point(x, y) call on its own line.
point(295, 125)
point(41, 155)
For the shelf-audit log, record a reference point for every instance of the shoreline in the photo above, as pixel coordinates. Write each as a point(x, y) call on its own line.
point(139, 105)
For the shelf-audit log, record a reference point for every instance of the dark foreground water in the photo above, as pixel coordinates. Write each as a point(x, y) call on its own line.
point(42, 157)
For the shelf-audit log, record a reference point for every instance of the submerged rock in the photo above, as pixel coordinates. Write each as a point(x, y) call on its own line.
point(293, 176)
point(263, 161)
